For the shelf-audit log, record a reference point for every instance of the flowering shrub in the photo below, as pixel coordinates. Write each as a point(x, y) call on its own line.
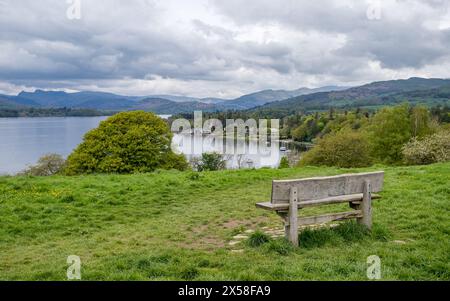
point(431, 149)
point(47, 165)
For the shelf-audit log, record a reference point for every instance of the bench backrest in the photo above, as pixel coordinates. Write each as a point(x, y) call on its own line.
point(323, 187)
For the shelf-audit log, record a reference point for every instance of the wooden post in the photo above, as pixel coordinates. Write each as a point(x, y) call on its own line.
point(293, 217)
point(366, 206)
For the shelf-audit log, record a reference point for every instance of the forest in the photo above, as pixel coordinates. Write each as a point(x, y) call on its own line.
point(51, 112)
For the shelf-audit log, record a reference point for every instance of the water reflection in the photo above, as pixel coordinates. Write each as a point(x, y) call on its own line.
point(237, 153)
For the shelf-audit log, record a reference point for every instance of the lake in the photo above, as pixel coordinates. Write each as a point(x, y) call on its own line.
point(24, 140)
point(237, 153)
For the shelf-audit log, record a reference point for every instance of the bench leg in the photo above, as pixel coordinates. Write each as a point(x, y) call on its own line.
point(292, 228)
point(366, 206)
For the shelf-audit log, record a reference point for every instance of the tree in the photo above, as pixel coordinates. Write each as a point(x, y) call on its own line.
point(128, 142)
point(345, 148)
point(389, 130)
point(300, 133)
point(284, 163)
point(421, 122)
point(210, 162)
point(431, 149)
point(392, 127)
point(47, 165)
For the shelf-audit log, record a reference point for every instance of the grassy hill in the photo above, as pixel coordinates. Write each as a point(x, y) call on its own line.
point(430, 92)
point(268, 96)
point(175, 225)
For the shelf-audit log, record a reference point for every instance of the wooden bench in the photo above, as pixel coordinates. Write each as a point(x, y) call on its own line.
point(288, 196)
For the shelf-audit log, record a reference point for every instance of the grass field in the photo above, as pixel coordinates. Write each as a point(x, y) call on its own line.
point(178, 226)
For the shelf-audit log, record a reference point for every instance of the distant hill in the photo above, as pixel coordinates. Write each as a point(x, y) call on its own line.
point(162, 104)
point(165, 106)
point(16, 102)
point(414, 90)
point(174, 98)
point(268, 96)
point(212, 100)
point(6, 103)
point(90, 100)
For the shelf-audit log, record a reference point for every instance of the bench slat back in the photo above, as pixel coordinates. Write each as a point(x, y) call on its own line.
point(323, 187)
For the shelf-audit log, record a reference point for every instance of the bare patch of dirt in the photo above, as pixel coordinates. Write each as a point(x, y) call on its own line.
point(233, 224)
point(200, 229)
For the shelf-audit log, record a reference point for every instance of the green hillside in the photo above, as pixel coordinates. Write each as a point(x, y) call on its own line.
point(179, 225)
point(430, 92)
point(164, 106)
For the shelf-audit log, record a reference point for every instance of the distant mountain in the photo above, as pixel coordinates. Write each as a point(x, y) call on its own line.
point(212, 100)
point(267, 96)
point(113, 102)
point(165, 106)
point(6, 103)
point(174, 98)
point(17, 101)
point(414, 90)
point(90, 100)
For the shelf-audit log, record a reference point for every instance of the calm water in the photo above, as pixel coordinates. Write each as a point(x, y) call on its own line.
point(24, 140)
point(238, 154)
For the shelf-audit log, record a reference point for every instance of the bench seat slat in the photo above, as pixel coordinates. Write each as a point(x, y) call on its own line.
point(321, 219)
point(354, 198)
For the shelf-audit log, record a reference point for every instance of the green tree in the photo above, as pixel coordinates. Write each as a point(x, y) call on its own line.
point(210, 162)
point(300, 133)
point(421, 122)
point(342, 149)
point(128, 142)
point(388, 131)
point(284, 163)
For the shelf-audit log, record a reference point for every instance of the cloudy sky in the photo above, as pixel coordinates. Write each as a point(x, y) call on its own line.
point(218, 48)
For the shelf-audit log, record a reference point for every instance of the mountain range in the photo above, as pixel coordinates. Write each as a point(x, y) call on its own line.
point(415, 90)
point(161, 104)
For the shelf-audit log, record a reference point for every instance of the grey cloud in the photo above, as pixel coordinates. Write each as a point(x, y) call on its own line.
point(396, 43)
point(119, 41)
point(398, 46)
